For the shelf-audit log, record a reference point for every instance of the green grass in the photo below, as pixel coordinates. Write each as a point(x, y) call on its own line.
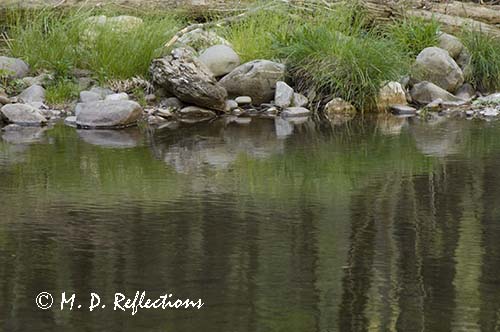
point(413, 34)
point(56, 40)
point(61, 92)
point(485, 60)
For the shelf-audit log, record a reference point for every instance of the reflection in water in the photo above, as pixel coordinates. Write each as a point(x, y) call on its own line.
point(380, 225)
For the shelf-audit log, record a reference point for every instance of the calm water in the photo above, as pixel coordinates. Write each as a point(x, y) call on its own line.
point(379, 225)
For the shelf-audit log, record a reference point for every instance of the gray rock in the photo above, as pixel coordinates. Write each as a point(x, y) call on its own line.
point(490, 99)
point(35, 93)
point(42, 79)
point(150, 98)
point(189, 80)
point(4, 99)
point(451, 44)
point(403, 110)
point(12, 67)
point(435, 65)
point(435, 105)
point(463, 61)
point(338, 106)
point(220, 59)
point(172, 103)
point(295, 112)
point(243, 100)
point(231, 105)
point(490, 112)
point(299, 100)
point(85, 83)
point(390, 94)
point(102, 92)
point(256, 79)
point(465, 92)
point(70, 121)
point(108, 114)
point(426, 92)
point(117, 96)
point(283, 96)
point(22, 114)
point(88, 97)
point(200, 39)
point(193, 114)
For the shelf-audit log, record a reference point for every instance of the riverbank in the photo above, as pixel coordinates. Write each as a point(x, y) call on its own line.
point(272, 60)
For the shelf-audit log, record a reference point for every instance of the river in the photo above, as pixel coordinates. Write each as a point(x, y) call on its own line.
point(386, 224)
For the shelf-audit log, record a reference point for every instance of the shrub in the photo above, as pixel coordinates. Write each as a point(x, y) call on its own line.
point(485, 60)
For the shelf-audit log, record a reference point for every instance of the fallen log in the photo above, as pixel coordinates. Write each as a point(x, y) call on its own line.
point(486, 14)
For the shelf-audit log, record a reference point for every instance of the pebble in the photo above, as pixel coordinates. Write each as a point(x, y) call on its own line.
point(243, 100)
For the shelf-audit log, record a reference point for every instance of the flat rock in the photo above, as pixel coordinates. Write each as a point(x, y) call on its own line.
point(195, 114)
point(435, 65)
point(22, 114)
point(12, 67)
point(403, 110)
point(220, 59)
point(189, 79)
point(256, 79)
point(35, 93)
point(70, 121)
point(426, 92)
point(108, 114)
point(284, 95)
point(295, 112)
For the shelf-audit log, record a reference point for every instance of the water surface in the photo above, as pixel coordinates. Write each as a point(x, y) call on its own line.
point(377, 225)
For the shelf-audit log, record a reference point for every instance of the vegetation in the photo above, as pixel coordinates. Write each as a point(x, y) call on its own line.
point(62, 40)
point(485, 59)
point(61, 92)
point(413, 34)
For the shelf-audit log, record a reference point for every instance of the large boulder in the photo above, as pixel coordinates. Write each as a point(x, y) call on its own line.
point(189, 79)
point(391, 94)
point(451, 44)
point(22, 114)
point(199, 39)
point(426, 92)
point(436, 65)
point(220, 59)
point(12, 67)
point(33, 94)
point(108, 114)
point(256, 79)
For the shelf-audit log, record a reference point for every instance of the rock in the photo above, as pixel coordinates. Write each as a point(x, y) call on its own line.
point(4, 99)
point(102, 92)
point(43, 79)
point(465, 92)
point(22, 114)
point(102, 24)
point(84, 83)
point(12, 67)
point(237, 112)
point(490, 99)
point(339, 106)
point(490, 112)
point(35, 93)
point(243, 100)
point(299, 100)
point(164, 113)
point(435, 105)
point(108, 114)
point(70, 121)
point(231, 105)
point(463, 61)
point(154, 119)
point(150, 98)
point(403, 110)
point(390, 94)
point(435, 65)
point(200, 39)
point(189, 80)
point(451, 44)
point(220, 59)
point(426, 92)
point(193, 114)
point(284, 94)
point(295, 112)
point(117, 96)
point(171, 103)
point(88, 97)
point(256, 79)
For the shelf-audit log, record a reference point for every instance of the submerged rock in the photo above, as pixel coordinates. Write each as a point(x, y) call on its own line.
point(256, 79)
point(108, 114)
point(220, 59)
point(22, 114)
point(435, 65)
point(295, 112)
point(426, 92)
point(12, 67)
point(189, 80)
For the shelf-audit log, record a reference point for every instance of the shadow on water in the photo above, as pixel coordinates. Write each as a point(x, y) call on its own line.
point(385, 224)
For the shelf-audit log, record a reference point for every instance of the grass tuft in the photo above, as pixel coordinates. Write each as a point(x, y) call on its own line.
point(413, 34)
point(485, 60)
point(61, 92)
